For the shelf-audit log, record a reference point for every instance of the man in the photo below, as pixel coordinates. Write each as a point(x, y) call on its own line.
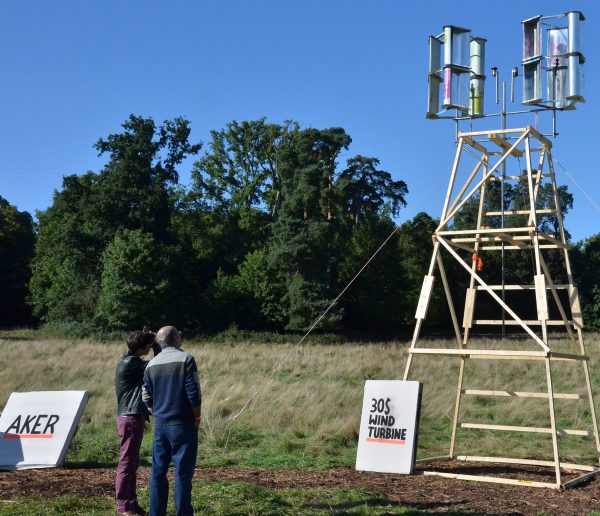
point(171, 391)
point(131, 415)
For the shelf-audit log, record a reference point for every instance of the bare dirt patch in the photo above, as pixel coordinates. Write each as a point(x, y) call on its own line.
point(419, 492)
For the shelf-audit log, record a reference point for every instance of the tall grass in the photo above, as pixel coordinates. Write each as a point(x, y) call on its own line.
point(308, 413)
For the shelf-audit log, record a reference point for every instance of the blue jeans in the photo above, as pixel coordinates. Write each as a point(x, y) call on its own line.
point(177, 441)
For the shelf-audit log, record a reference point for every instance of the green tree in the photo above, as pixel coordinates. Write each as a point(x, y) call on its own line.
point(134, 285)
point(585, 257)
point(235, 193)
point(302, 252)
point(65, 266)
point(136, 185)
point(239, 171)
point(366, 192)
point(415, 247)
point(375, 301)
point(135, 191)
point(16, 249)
point(243, 299)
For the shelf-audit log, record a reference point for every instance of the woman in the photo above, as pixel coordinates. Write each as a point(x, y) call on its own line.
point(131, 415)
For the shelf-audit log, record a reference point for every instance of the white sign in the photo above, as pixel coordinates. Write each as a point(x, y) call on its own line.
point(389, 424)
point(36, 428)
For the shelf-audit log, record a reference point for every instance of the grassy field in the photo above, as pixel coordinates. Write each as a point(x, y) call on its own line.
point(307, 415)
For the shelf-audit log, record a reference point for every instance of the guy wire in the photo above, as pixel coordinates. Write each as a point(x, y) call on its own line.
point(576, 183)
point(318, 320)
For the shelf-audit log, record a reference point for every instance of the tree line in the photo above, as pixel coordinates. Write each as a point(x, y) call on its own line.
point(272, 227)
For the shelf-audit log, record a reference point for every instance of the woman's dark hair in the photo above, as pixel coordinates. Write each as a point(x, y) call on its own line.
point(139, 340)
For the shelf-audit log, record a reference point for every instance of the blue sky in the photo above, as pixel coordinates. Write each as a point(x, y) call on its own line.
point(74, 70)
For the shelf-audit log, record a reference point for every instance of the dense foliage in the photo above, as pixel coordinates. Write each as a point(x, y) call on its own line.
point(16, 249)
point(271, 229)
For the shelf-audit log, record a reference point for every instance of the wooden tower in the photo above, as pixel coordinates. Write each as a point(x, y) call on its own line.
point(494, 150)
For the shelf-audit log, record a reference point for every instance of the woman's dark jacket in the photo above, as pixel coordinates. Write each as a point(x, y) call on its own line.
point(129, 377)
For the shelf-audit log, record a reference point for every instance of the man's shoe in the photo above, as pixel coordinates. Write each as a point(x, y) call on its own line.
point(128, 513)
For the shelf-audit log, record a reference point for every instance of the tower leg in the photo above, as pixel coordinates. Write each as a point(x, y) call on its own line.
point(553, 421)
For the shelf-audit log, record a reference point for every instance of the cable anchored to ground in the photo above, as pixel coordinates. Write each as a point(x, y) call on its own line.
point(269, 378)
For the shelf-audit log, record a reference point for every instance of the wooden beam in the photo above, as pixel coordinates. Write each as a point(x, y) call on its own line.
point(450, 189)
point(523, 394)
point(517, 212)
point(502, 143)
point(469, 308)
point(497, 353)
point(493, 480)
point(583, 478)
point(526, 429)
point(555, 241)
point(541, 297)
point(575, 307)
point(526, 229)
point(517, 247)
point(540, 137)
point(481, 352)
point(519, 287)
point(476, 145)
point(425, 296)
point(498, 131)
point(527, 462)
point(466, 185)
point(529, 322)
point(522, 177)
point(524, 238)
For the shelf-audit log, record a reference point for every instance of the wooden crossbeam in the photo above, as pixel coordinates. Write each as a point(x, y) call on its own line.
point(527, 462)
point(540, 137)
point(522, 177)
point(528, 322)
point(526, 229)
point(476, 145)
point(523, 394)
point(499, 131)
point(507, 147)
point(517, 212)
point(555, 241)
point(497, 353)
point(519, 287)
point(526, 429)
point(482, 239)
point(493, 480)
point(580, 479)
point(515, 247)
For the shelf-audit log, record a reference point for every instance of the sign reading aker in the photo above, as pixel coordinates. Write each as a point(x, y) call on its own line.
point(36, 428)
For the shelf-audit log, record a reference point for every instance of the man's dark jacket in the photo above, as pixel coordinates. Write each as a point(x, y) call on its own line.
point(129, 377)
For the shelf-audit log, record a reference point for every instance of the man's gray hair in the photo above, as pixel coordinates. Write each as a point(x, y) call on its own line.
point(167, 336)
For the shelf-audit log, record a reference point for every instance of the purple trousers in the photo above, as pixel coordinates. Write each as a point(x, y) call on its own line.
point(131, 431)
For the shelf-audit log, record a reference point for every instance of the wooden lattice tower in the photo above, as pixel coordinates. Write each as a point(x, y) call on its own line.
point(495, 150)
